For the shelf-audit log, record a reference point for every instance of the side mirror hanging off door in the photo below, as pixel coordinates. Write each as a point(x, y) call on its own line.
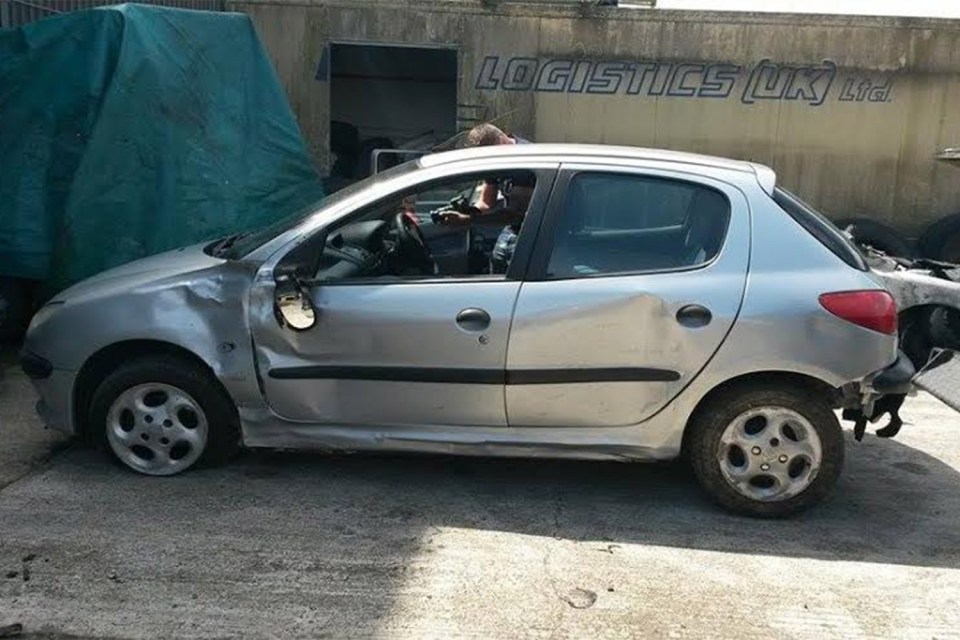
point(293, 305)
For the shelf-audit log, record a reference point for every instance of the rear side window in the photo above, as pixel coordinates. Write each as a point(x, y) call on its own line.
point(820, 228)
point(621, 223)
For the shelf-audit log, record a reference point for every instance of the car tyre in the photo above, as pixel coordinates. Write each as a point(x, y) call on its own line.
point(915, 333)
point(941, 239)
point(746, 445)
point(161, 415)
point(945, 328)
point(867, 232)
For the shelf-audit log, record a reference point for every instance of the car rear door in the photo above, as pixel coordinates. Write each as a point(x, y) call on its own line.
point(636, 279)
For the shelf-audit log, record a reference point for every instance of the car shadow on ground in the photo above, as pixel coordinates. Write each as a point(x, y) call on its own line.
point(894, 504)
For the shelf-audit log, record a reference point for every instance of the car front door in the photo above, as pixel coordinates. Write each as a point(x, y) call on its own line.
point(396, 351)
point(636, 280)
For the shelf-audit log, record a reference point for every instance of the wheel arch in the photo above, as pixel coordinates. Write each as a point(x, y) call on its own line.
point(106, 360)
point(755, 379)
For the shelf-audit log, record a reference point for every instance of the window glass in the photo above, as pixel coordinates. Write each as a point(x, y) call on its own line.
point(436, 230)
point(247, 242)
point(820, 228)
point(621, 223)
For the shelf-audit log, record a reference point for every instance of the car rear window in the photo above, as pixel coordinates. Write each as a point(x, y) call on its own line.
point(820, 228)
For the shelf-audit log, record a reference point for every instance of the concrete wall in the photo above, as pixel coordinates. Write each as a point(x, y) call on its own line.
point(848, 110)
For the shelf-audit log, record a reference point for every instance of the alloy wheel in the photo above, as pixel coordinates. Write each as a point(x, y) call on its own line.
point(769, 454)
point(157, 429)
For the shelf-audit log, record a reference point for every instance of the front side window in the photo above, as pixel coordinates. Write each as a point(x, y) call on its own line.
point(622, 223)
point(436, 230)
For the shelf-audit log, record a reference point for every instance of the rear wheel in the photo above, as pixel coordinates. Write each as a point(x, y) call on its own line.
point(162, 415)
point(767, 452)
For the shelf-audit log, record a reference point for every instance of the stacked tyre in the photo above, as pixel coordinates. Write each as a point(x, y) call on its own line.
point(870, 233)
point(941, 240)
point(945, 328)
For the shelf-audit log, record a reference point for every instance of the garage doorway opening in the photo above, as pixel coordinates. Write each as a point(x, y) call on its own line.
point(388, 97)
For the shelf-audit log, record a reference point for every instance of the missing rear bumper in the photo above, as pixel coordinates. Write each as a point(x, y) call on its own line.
point(895, 379)
point(882, 394)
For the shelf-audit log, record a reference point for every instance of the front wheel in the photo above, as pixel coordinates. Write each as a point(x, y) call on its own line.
point(161, 415)
point(767, 452)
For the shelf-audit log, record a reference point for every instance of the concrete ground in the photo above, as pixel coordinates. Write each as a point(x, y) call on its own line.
point(289, 545)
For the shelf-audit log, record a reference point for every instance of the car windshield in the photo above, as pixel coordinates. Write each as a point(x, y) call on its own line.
point(239, 245)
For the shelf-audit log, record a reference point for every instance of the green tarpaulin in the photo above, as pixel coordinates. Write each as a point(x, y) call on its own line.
point(131, 130)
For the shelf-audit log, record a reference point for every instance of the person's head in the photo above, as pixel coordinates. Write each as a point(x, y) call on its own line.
point(518, 190)
point(486, 135)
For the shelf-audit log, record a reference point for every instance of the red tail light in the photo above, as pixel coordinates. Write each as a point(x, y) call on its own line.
point(874, 309)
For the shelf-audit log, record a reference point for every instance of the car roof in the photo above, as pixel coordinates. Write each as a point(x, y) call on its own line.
point(573, 152)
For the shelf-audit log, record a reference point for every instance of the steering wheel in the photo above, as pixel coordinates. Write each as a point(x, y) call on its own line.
point(413, 247)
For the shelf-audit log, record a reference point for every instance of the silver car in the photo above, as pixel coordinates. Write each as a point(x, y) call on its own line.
point(608, 303)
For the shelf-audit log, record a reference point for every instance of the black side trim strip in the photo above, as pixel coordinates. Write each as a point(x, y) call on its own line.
point(476, 376)
point(568, 376)
point(397, 374)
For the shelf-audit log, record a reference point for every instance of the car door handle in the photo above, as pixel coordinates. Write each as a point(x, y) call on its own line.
point(694, 316)
point(473, 319)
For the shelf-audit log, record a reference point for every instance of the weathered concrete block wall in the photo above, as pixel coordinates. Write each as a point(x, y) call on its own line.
point(848, 110)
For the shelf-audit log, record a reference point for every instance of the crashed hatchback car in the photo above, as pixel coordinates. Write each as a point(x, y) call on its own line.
point(612, 303)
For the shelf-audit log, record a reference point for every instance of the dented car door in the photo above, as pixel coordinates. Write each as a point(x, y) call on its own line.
point(637, 278)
